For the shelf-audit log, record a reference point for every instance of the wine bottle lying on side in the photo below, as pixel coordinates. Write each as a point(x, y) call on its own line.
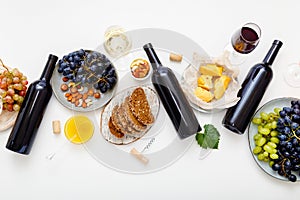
point(32, 111)
point(172, 96)
point(253, 89)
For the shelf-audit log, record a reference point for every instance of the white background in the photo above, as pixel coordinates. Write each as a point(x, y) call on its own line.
point(31, 29)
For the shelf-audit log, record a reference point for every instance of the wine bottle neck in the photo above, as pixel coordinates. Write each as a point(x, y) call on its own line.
point(271, 55)
point(153, 58)
point(48, 70)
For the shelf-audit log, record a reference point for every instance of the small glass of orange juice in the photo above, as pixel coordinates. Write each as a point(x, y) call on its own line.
point(79, 129)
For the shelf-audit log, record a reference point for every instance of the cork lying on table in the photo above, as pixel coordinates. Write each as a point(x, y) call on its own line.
point(56, 126)
point(175, 57)
point(139, 156)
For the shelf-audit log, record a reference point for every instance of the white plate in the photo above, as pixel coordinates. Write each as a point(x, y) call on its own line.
point(252, 130)
point(161, 144)
point(56, 82)
point(118, 100)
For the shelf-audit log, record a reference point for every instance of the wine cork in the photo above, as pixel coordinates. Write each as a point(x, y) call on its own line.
point(56, 126)
point(175, 57)
point(139, 156)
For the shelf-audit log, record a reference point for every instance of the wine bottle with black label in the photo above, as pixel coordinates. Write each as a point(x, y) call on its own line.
point(172, 96)
point(32, 111)
point(253, 88)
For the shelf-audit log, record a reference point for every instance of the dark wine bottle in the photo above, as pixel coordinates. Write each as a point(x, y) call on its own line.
point(172, 96)
point(253, 88)
point(32, 111)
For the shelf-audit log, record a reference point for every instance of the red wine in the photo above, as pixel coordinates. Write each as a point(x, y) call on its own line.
point(248, 34)
point(172, 97)
point(245, 40)
point(253, 88)
point(32, 111)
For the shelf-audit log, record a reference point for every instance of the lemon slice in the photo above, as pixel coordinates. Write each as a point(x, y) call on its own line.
point(79, 129)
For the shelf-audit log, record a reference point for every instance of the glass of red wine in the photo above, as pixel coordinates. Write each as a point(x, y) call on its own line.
point(243, 41)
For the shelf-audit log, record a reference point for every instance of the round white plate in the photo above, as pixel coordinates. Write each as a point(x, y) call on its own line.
point(252, 130)
point(161, 144)
point(56, 82)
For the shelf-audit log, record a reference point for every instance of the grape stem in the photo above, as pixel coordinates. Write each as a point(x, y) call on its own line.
point(4, 65)
point(294, 134)
point(91, 73)
point(282, 166)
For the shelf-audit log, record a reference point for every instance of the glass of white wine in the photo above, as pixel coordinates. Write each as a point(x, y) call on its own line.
point(292, 75)
point(117, 42)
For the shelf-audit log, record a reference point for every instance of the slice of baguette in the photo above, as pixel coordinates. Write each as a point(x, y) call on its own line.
point(115, 119)
point(127, 125)
point(113, 130)
point(137, 125)
point(140, 107)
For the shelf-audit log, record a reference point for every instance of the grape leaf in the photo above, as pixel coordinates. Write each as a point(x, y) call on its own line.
point(210, 138)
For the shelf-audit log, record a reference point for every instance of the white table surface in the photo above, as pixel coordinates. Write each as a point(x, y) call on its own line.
point(32, 29)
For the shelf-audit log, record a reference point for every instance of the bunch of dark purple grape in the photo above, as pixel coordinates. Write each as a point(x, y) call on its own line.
point(288, 127)
point(88, 68)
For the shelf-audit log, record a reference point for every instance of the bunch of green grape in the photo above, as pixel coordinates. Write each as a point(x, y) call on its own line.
point(265, 139)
